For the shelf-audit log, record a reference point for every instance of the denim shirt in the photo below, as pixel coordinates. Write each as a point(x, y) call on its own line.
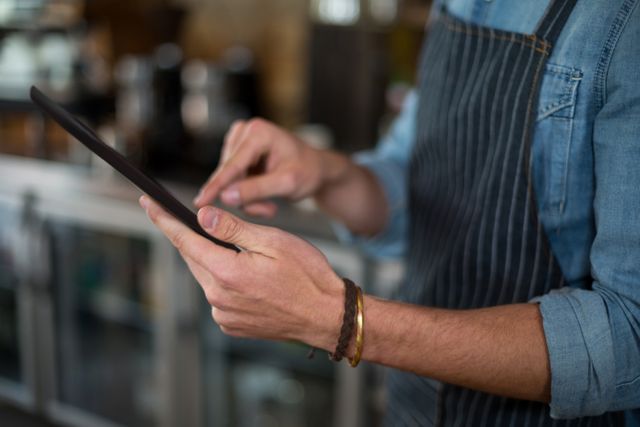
point(586, 172)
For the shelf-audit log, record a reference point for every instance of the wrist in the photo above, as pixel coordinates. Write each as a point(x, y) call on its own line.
point(334, 168)
point(329, 329)
point(325, 320)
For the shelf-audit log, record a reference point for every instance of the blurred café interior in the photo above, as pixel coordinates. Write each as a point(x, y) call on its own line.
point(101, 323)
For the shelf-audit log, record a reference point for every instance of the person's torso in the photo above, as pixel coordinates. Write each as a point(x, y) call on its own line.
point(571, 93)
point(561, 159)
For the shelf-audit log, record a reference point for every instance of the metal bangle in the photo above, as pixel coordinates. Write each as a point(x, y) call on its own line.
point(359, 330)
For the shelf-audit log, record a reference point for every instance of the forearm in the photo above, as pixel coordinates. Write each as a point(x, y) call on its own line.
point(351, 194)
point(499, 350)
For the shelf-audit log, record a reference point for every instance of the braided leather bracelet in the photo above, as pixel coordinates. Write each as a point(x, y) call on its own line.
point(348, 320)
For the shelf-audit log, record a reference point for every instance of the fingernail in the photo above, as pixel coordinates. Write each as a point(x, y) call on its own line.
point(196, 199)
point(231, 196)
point(144, 202)
point(209, 218)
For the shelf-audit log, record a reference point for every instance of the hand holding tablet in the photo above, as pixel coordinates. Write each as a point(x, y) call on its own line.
point(278, 287)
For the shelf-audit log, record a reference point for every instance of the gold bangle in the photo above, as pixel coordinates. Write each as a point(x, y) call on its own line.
point(359, 330)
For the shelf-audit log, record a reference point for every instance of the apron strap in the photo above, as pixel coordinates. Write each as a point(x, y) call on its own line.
point(555, 17)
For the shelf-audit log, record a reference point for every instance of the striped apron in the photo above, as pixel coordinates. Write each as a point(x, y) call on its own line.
point(475, 239)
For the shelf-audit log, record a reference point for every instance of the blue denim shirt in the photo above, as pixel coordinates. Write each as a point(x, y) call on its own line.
point(586, 171)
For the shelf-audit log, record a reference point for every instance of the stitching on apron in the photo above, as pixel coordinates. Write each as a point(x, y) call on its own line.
point(531, 194)
point(532, 41)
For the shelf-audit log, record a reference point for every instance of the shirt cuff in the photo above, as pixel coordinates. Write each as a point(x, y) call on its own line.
point(580, 349)
point(389, 243)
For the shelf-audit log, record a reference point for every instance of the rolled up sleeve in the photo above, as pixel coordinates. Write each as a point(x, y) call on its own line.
point(581, 352)
point(593, 335)
point(389, 163)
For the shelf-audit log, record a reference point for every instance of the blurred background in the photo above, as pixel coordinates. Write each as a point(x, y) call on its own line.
point(100, 321)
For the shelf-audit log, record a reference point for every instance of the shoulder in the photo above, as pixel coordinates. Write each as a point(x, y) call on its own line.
point(624, 38)
point(620, 55)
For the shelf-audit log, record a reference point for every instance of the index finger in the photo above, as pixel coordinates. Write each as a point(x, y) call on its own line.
point(232, 138)
point(189, 243)
point(237, 165)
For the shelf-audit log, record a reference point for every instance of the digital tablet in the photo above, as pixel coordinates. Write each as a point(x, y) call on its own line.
point(143, 181)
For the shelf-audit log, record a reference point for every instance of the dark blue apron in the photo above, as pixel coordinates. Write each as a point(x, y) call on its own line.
point(475, 239)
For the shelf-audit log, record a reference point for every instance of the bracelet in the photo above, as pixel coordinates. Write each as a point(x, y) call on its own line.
point(348, 320)
point(353, 317)
point(359, 330)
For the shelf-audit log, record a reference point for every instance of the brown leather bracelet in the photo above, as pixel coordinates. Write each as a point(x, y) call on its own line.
point(348, 320)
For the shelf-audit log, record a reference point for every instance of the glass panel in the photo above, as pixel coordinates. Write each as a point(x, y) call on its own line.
point(104, 330)
point(265, 395)
point(9, 344)
point(263, 384)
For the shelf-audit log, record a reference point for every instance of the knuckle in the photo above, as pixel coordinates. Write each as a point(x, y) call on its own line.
point(217, 300)
point(257, 126)
point(153, 215)
point(289, 181)
point(225, 277)
point(225, 320)
point(231, 228)
point(178, 240)
point(226, 323)
point(233, 168)
point(231, 136)
point(256, 122)
point(215, 314)
point(237, 123)
point(274, 237)
point(230, 332)
point(227, 148)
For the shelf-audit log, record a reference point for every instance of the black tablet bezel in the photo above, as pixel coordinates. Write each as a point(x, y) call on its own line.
point(144, 182)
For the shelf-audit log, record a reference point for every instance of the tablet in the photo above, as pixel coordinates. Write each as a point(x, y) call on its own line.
point(143, 181)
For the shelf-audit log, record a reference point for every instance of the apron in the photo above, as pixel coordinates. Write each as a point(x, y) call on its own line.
point(475, 239)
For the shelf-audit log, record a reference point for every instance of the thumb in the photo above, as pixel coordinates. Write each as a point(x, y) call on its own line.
point(229, 228)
